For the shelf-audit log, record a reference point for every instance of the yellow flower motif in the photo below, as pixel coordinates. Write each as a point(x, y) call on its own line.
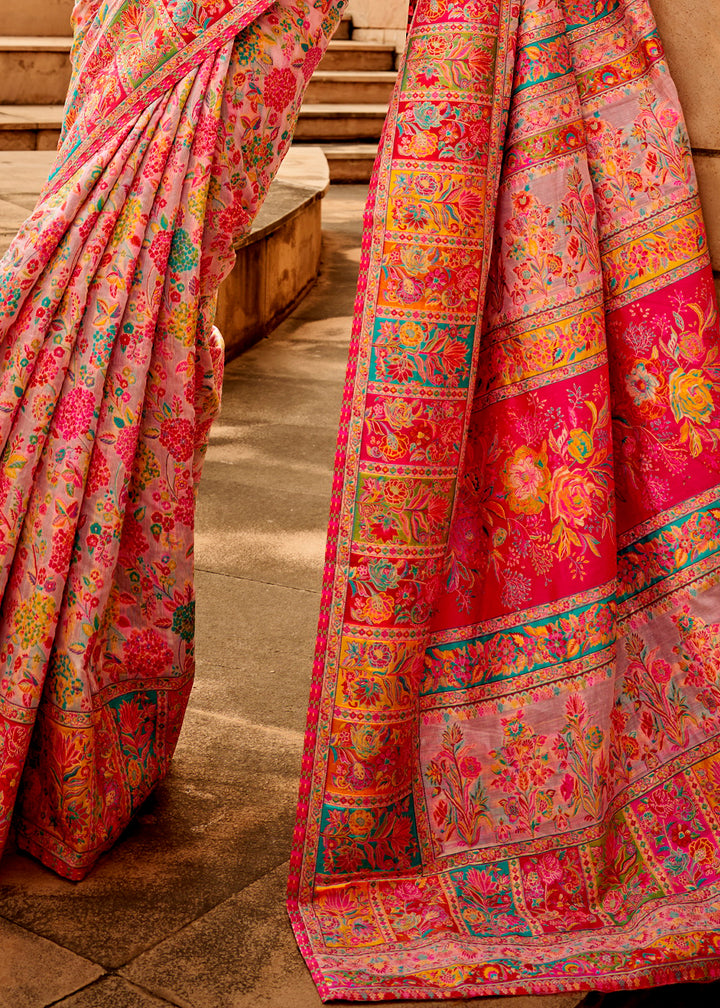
point(31, 619)
point(702, 851)
point(411, 334)
point(366, 742)
point(690, 396)
point(399, 413)
point(527, 480)
point(419, 145)
point(415, 258)
point(580, 444)
point(361, 822)
point(374, 609)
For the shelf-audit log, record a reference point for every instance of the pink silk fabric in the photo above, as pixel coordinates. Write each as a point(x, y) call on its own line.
point(177, 119)
point(512, 772)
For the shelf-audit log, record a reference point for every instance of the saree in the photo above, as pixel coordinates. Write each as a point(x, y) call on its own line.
point(511, 779)
point(178, 115)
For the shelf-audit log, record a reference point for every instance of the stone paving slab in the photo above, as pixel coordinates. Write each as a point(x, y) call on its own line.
point(243, 955)
point(113, 992)
point(34, 972)
point(258, 531)
point(263, 505)
point(267, 686)
point(221, 820)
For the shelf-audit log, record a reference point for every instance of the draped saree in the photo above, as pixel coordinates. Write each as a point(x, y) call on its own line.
point(177, 118)
point(511, 779)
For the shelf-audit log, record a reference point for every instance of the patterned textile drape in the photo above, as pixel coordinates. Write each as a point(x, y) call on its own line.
point(178, 116)
point(512, 772)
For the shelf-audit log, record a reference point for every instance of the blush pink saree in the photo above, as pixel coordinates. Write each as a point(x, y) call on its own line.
point(512, 772)
point(178, 116)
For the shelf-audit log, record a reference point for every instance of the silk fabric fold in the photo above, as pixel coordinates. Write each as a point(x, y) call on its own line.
point(178, 116)
point(511, 779)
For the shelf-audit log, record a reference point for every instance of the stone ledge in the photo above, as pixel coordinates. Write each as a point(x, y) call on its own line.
point(36, 43)
point(277, 262)
point(350, 163)
point(37, 127)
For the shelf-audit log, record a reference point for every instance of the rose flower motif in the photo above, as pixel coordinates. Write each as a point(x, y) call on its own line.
point(571, 497)
point(527, 479)
point(690, 396)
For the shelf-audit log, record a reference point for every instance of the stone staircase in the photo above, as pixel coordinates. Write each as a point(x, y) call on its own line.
point(343, 112)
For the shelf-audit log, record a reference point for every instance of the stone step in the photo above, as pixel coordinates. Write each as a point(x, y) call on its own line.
point(37, 127)
point(34, 70)
point(352, 55)
point(344, 28)
point(347, 123)
point(355, 86)
point(350, 163)
point(30, 127)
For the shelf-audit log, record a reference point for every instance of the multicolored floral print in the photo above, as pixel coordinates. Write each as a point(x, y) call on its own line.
point(512, 773)
point(111, 376)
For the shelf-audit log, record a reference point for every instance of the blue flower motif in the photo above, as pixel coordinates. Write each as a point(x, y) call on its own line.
point(427, 115)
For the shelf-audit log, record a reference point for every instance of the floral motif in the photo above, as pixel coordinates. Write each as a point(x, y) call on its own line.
point(454, 775)
point(690, 396)
point(527, 480)
point(111, 376)
point(546, 639)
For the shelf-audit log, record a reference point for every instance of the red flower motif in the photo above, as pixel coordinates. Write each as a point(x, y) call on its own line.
point(133, 543)
point(146, 653)
point(310, 62)
point(680, 834)
point(99, 475)
point(178, 436)
point(75, 413)
point(280, 89)
point(62, 544)
point(567, 788)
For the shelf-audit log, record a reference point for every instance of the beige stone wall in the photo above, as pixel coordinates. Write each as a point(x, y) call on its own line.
point(690, 30)
point(379, 21)
point(35, 17)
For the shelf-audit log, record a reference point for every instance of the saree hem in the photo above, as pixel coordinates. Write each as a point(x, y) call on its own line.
point(513, 740)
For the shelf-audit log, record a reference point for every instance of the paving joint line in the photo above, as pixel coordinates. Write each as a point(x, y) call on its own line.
point(116, 971)
point(269, 584)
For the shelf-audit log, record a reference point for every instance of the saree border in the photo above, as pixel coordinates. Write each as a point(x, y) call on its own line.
point(153, 88)
point(347, 460)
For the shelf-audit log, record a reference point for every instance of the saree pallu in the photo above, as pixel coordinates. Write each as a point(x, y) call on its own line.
point(178, 116)
point(511, 781)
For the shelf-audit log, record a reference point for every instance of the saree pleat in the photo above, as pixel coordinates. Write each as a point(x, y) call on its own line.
point(512, 766)
point(177, 120)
